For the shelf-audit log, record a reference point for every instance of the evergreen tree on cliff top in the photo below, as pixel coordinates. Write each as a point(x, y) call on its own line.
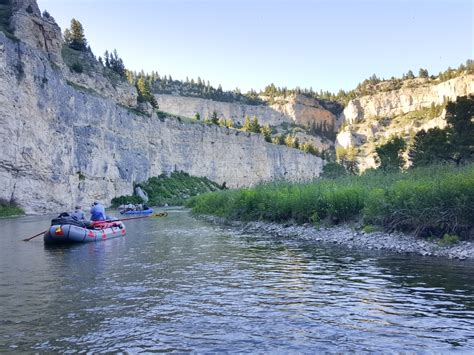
point(74, 36)
point(144, 93)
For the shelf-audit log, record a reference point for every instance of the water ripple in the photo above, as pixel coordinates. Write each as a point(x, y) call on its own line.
point(181, 285)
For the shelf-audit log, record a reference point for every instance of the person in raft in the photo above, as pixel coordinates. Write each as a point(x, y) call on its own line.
point(78, 213)
point(98, 212)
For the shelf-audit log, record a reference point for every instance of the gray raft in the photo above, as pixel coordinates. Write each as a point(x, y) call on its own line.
point(68, 233)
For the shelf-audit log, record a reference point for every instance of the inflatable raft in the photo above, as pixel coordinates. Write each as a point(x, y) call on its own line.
point(143, 212)
point(97, 231)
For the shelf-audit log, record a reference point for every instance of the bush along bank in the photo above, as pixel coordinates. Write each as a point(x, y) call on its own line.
point(171, 189)
point(430, 202)
point(9, 209)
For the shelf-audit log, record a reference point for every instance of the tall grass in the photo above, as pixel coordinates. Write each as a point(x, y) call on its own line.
point(8, 209)
point(428, 201)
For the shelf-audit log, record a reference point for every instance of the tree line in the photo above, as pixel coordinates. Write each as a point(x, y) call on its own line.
point(155, 83)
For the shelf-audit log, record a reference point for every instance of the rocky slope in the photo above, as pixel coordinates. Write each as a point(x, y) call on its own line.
point(373, 119)
point(67, 143)
point(416, 94)
point(296, 109)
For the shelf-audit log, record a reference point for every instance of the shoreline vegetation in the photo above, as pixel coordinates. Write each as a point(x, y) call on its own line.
point(172, 189)
point(10, 209)
point(434, 203)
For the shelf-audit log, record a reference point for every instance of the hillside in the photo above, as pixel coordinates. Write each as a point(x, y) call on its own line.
point(372, 120)
point(77, 136)
point(78, 130)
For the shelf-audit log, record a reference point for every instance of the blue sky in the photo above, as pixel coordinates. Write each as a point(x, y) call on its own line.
point(321, 44)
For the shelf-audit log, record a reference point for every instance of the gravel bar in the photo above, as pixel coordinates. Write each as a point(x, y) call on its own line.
point(347, 236)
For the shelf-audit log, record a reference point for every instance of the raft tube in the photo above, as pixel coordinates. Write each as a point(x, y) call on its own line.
point(143, 212)
point(68, 233)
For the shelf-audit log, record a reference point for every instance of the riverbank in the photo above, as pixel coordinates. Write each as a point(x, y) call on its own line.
point(348, 237)
point(8, 209)
point(434, 201)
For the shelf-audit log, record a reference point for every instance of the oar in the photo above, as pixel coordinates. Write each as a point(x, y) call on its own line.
point(161, 214)
point(36, 235)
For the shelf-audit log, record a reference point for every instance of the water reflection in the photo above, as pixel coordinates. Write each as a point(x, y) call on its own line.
point(178, 284)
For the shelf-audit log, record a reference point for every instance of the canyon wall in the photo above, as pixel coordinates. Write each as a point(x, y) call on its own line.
point(65, 143)
point(407, 99)
point(296, 109)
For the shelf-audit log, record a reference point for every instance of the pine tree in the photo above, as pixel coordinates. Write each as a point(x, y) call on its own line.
point(107, 60)
point(214, 118)
point(229, 123)
point(459, 116)
point(116, 64)
point(77, 39)
point(221, 122)
point(267, 132)
point(254, 125)
point(247, 127)
point(290, 141)
point(67, 36)
point(430, 147)
point(423, 73)
point(144, 92)
point(296, 143)
point(309, 148)
point(197, 116)
point(348, 159)
point(389, 155)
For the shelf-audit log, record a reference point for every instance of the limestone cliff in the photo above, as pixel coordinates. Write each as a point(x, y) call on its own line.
point(296, 109)
point(37, 31)
point(63, 146)
point(373, 119)
point(415, 95)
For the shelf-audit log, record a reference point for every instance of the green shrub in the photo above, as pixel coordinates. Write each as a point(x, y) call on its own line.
point(8, 209)
point(427, 201)
point(448, 240)
point(172, 190)
point(369, 228)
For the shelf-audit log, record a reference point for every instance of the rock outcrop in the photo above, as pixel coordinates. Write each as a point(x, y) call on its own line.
point(372, 120)
point(407, 99)
point(37, 31)
point(296, 109)
point(66, 145)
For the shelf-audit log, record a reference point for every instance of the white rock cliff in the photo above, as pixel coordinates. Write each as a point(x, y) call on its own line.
point(61, 146)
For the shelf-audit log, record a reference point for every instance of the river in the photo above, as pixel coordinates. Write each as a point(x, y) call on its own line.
point(181, 284)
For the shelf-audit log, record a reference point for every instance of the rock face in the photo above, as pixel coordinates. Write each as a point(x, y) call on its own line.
point(371, 120)
point(396, 102)
point(307, 112)
point(118, 90)
point(295, 109)
point(189, 106)
point(64, 146)
point(37, 31)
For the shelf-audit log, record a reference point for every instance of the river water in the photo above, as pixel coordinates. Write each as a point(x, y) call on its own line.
point(180, 284)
